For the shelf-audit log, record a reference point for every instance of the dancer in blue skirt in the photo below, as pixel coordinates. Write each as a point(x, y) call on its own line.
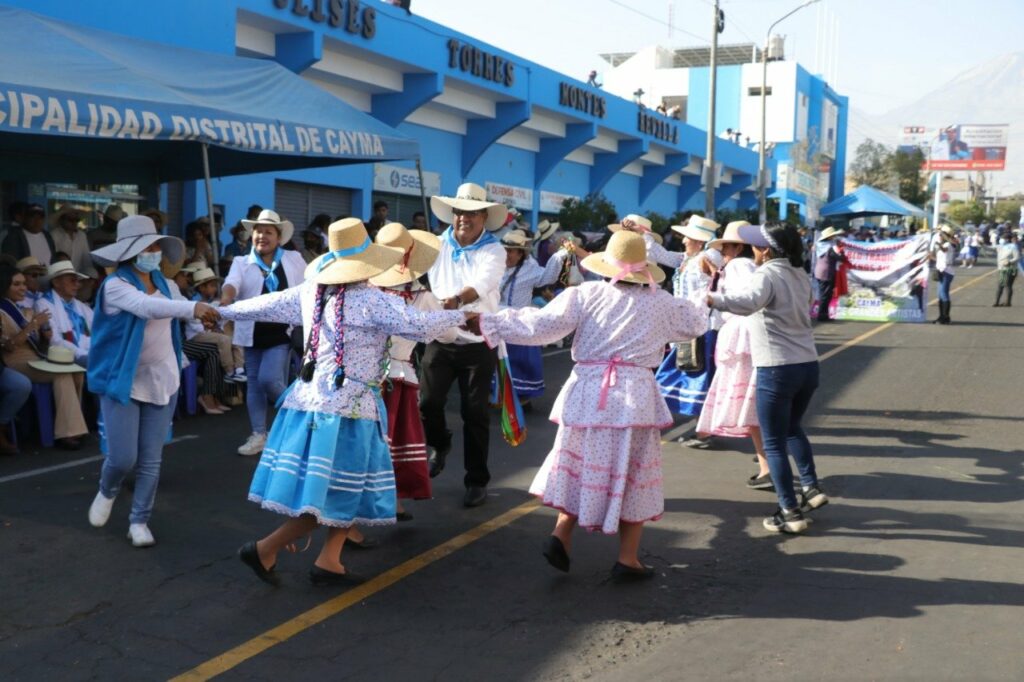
point(326, 461)
point(685, 390)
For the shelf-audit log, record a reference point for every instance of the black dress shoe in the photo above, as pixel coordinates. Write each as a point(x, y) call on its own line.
point(251, 558)
point(624, 573)
point(554, 552)
point(365, 543)
point(320, 576)
point(69, 443)
point(475, 496)
point(404, 516)
point(437, 460)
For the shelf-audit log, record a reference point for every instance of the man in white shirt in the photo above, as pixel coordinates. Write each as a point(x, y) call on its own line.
point(70, 319)
point(466, 276)
point(30, 239)
point(68, 238)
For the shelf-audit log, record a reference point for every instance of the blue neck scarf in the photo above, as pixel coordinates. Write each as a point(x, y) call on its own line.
point(271, 281)
point(78, 325)
point(457, 249)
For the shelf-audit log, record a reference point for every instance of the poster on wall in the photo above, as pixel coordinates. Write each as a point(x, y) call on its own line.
point(884, 281)
point(510, 195)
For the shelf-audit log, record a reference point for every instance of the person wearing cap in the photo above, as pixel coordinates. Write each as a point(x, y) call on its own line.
point(825, 267)
point(604, 470)
point(522, 275)
point(70, 239)
point(232, 359)
point(942, 252)
point(70, 319)
point(135, 361)
point(657, 253)
point(30, 239)
point(326, 460)
point(786, 361)
point(106, 233)
point(25, 337)
point(267, 268)
point(33, 271)
point(205, 346)
point(466, 276)
point(730, 408)
point(406, 437)
point(685, 388)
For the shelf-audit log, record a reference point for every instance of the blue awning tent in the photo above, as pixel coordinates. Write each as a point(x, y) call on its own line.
point(867, 201)
point(79, 104)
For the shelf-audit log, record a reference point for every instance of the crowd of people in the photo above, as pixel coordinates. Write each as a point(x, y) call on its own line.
point(378, 322)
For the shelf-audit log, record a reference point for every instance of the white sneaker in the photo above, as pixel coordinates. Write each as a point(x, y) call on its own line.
point(140, 535)
point(99, 511)
point(254, 445)
point(238, 376)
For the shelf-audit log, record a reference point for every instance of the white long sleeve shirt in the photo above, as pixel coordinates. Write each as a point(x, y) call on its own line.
point(517, 287)
point(480, 269)
point(62, 328)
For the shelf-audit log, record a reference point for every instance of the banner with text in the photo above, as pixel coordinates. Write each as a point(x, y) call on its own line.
point(883, 281)
point(516, 197)
point(959, 147)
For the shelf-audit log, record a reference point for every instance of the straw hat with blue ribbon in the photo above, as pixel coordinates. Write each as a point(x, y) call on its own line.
point(352, 256)
point(417, 250)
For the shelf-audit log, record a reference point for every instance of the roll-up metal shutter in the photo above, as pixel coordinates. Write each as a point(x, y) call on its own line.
point(400, 206)
point(299, 202)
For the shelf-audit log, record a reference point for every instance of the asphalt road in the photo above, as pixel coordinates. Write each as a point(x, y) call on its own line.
point(912, 573)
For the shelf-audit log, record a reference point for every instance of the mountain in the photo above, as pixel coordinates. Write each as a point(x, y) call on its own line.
point(989, 92)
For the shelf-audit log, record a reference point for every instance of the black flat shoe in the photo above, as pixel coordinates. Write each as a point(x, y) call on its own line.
point(404, 516)
point(251, 558)
point(554, 551)
point(624, 573)
point(320, 576)
point(437, 459)
point(475, 496)
point(365, 543)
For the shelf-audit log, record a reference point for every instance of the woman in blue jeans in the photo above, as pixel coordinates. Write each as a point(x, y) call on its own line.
point(942, 252)
point(135, 365)
point(779, 299)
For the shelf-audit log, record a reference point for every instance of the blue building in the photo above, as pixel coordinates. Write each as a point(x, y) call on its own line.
point(531, 135)
point(806, 118)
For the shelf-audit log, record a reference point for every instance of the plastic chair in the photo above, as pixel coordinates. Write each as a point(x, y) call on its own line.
point(43, 395)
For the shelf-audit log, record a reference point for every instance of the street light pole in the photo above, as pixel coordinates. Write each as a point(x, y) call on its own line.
point(762, 174)
point(709, 156)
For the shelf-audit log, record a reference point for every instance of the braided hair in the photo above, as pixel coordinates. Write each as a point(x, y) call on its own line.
point(313, 343)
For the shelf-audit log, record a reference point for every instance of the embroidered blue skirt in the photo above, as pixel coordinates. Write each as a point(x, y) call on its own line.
point(685, 392)
point(527, 369)
point(335, 468)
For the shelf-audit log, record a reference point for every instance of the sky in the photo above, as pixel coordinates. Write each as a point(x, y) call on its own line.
point(887, 53)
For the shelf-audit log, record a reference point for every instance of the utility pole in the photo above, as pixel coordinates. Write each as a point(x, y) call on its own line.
point(709, 158)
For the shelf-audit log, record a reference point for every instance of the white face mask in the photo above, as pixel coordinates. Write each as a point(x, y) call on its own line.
point(148, 261)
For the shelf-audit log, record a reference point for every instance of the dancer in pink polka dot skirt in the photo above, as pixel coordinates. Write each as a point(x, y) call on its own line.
point(604, 471)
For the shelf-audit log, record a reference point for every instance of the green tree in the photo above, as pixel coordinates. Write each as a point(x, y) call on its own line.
point(906, 167)
point(593, 212)
point(659, 223)
point(961, 212)
point(1008, 210)
point(872, 165)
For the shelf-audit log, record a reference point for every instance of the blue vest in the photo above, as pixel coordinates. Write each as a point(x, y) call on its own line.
point(117, 341)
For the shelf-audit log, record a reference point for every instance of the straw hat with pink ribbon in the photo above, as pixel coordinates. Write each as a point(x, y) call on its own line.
point(625, 260)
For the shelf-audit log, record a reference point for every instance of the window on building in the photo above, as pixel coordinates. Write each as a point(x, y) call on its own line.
point(756, 91)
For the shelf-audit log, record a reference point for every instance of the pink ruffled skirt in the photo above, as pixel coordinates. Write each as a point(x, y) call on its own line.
point(730, 409)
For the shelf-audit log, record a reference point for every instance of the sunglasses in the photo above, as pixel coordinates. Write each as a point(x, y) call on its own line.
point(463, 212)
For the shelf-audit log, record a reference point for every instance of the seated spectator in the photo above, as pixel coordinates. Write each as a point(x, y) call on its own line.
point(15, 388)
point(232, 359)
point(24, 338)
point(239, 245)
point(70, 319)
point(197, 242)
point(32, 269)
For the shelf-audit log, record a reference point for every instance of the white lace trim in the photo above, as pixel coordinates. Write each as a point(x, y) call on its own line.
point(318, 514)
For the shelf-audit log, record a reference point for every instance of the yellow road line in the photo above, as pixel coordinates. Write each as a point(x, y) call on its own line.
point(332, 607)
point(285, 631)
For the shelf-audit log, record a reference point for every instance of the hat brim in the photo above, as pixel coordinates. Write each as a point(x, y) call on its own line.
point(424, 254)
point(112, 254)
point(285, 228)
point(751, 234)
point(693, 232)
point(442, 207)
point(356, 268)
point(78, 275)
point(215, 278)
point(54, 368)
point(546, 232)
point(55, 218)
point(595, 263)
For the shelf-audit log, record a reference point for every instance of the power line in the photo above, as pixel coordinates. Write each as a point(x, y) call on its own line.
point(659, 21)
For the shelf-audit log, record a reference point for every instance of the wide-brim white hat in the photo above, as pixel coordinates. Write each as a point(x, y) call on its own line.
point(63, 267)
point(203, 276)
point(516, 239)
point(627, 248)
point(469, 197)
point(65, 210)
point(30, 263)
point(417, 250)
point(59, 360)
point(730, 236)
point(828, 233)
point(135, 234)
point(640, 221)
point(352, 256)
point(267, 217)
point(698, 227)
point(545, 229)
